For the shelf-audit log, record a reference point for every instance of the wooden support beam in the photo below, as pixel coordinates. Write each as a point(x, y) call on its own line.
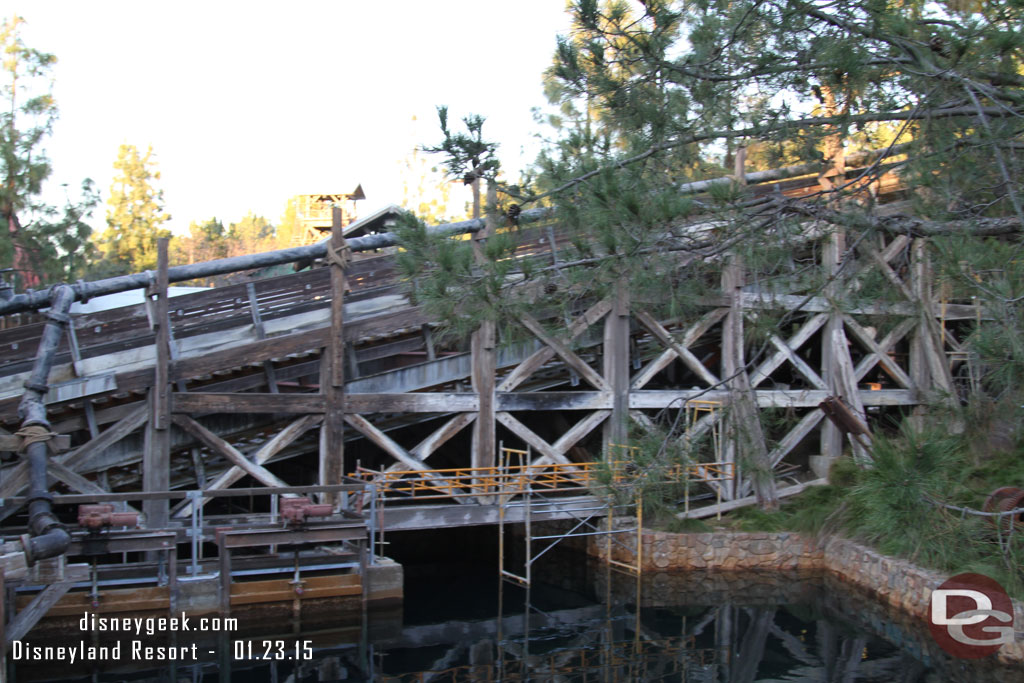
point(791, 440)
point(548, 454)
point(570, 358)
point(616, 367)
point(24, 620)
point(483, 347)
point(389, 446)
point(554, 400)
point(263, 454)
point(257, 324)
point(412, 403)
point(437, 438)
point(744, 434)
point(879, 353)
point(441, 435)
point(680, 350)
point(655, 399)
point(257, 472)
point(332, 371)
point(135, 418)
point(484, 360)
point(831, 439)
point(695, 332)
point(785, 492)
point(76, 481)
point(248, 403)
point(797, 362)
point(887, 271)
point(543, 355)
point(156, 457)
point(580, 430)
point(771, 364)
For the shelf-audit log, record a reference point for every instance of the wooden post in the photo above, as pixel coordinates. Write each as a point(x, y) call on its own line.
point(616, 367)
point(332, 365)
point(744, 441)
point(831, 437)
point(919, 371)
point(156, 459)
point(838, 370)
point(484, 358)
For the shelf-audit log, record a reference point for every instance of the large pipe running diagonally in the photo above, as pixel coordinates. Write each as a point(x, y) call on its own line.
point(46, 537)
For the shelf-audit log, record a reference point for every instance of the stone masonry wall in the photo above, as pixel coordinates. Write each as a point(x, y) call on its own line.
point(896, 582)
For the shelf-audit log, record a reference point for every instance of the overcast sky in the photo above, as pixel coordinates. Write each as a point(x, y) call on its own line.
point(248, 103)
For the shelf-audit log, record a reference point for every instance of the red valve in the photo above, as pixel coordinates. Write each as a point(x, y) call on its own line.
point(296, 510)
point(95, 517)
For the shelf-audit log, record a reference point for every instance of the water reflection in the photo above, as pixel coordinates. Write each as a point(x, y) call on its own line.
point(582, 623)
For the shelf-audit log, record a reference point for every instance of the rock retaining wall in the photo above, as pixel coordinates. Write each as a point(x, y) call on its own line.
point(896, 582)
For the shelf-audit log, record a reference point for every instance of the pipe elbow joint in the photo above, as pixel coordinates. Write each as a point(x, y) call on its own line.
point(54, 542)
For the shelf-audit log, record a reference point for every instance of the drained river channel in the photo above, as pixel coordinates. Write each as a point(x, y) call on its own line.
point(579, 620)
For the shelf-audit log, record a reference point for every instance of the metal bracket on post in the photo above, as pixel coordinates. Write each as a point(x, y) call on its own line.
point(195, 531)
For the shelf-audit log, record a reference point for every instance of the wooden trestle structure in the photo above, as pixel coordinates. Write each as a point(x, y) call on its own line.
point(293, 381)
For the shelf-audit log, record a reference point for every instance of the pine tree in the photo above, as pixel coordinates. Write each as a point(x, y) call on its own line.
point(41, 242)
point(135, 213)
point(654, 95)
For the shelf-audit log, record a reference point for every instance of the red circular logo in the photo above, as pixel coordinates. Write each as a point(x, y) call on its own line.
point(970, 616)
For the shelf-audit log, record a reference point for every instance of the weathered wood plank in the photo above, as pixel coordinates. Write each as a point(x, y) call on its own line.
point(580, 430)
point(799, 363)
point(800, 431)
point(156, 456)
point(332, 384)
point(367, 429)
point(257, 472)
point(880, 353)
point(125, 426)
point(75, 480)
point(542, 356)
point(36, 610)
point(683, 353)
point(554, 400)
point(616, 366)
point(708, 510)
point(649, 399)
point(209, 402)
point(695, 332)
point(412, 403)
point(770, 365)
point(548, 454)
point(570, 358)
point(389, 445)
point(441, 435)
point(263, 454)
point(257, 324)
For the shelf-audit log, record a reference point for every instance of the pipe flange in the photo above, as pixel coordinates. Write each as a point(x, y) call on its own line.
point(26, 545)
point(82, 291)
point(36, 386)
point(62, 318)
point(41, 495)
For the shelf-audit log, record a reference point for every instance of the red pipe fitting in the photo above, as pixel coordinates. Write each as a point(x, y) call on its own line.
point(295, 511)
point(1002, 500)
point(96, 517)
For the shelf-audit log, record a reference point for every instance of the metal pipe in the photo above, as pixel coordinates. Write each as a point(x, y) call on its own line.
point(83, 291)
point(46, 537)
point(32, 300)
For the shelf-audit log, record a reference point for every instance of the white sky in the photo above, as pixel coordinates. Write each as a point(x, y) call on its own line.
point(248, 103)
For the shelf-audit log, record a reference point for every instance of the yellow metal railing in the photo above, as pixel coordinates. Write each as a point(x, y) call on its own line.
point(511, 479)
